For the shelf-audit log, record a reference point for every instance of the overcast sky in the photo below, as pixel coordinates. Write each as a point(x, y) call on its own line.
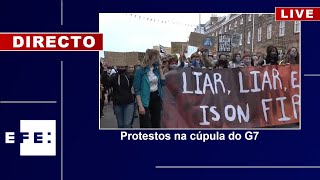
point(125, 33)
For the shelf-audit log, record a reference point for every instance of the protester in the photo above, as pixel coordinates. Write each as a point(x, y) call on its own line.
point(228, 57)
point(236, 61)
point(292, 56)
point(272, 56)
point(247, 61)
point(122, 97)
point(254, 59)
point(195, 62)
point(148, 82)
point(131, 70)
point(104, 78)
point(261, 60)
point(222, 62)
point(165, 66)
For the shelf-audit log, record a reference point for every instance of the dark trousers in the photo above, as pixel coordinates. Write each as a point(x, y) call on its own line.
point(152, 117)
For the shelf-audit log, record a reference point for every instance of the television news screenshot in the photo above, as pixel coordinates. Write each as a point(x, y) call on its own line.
point(225, 91)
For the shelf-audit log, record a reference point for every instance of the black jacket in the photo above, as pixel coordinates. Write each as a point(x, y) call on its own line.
point(121, 84)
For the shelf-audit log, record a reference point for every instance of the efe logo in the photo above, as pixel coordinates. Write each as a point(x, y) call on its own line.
point(36, 138)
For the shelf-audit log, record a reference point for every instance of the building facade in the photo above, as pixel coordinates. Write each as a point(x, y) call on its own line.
point(257, 32)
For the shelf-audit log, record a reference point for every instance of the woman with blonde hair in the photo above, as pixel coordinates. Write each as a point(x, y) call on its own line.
point(148, 82)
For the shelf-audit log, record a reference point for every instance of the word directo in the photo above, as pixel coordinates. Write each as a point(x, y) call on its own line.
point(36, 138)
point(51, 42)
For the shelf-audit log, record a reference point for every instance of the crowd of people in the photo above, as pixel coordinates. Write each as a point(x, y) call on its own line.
point(136, 91)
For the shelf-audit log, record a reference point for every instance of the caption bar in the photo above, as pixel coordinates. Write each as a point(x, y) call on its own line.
point(198, 136)
point(51, 42)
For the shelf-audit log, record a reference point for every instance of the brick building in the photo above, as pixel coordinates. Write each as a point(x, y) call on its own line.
point(257, 31)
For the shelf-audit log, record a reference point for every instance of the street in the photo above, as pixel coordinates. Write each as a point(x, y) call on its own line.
point(109, 119)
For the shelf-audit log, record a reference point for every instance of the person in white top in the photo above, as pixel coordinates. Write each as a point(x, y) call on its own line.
point(148, 82)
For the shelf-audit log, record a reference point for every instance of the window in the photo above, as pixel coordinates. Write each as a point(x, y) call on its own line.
point(216, 33)
point(240, 40)
point(241, 21)
point(225, 29)
point(281, 28)
point(269, 31)
point(297, 26)
point(249, 17)
point(220, 32)
point(230, 26)
point(235, 24)
point(259, 33)
point(249, 37)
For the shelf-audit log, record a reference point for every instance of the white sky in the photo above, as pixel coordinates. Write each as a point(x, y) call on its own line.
point(124, 33)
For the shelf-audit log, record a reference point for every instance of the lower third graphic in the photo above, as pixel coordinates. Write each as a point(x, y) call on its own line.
point(36, 138)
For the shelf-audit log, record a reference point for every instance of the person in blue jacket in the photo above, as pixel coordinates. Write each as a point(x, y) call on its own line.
point(148, 82)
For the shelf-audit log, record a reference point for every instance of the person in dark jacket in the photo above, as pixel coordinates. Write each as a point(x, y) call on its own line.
point(272, 57)
point(122, 97)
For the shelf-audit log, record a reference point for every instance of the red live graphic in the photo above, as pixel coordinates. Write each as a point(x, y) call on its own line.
point(297, 14)
point(51, 42)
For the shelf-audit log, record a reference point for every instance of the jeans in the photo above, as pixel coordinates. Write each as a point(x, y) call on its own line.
point(124, 115)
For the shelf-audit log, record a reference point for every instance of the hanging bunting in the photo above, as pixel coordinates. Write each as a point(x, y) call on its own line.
point(160, 21)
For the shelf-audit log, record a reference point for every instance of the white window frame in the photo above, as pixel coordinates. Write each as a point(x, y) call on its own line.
point(230, 26)
point(241, 20)
point(240, 43)
point(249, 17)
point(269, 31)
point(259, 33)
point(235, 23)
point(297, 26)
point(282, 28)
point(225, 29)
point(249, 37)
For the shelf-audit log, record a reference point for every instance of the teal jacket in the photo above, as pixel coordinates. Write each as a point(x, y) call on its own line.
point(141, 84)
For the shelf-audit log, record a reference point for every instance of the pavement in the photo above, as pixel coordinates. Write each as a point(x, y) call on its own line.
point(109, 120)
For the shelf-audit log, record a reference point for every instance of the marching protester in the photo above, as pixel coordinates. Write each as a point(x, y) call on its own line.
point(122, 97)
point(228, 57)
point(272, 57)
point(104, 77)
point(222, 62)
point(131, 71)
point(292, 56)
point(195, 62)
point(247, 61)
point(254, 59)
point(148, 82)
point(165, 66)
point(236, 61)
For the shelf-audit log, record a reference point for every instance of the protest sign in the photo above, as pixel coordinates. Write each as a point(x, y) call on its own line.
point(123, 58)
point(235, 40)
point(224, 44)
point(196, 39)
point(176, 47)
point(249, 97)
point(184, 48)
point(208, 42)
point(115, 58)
